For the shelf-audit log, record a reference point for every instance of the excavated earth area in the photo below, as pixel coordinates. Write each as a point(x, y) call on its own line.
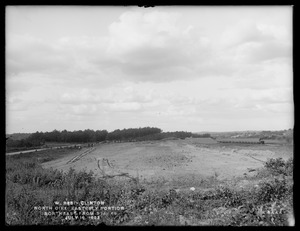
point(173, 160)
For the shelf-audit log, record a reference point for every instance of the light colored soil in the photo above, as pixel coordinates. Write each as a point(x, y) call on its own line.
point(173, 159)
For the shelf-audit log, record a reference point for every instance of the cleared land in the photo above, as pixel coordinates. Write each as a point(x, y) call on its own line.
point(173, 161)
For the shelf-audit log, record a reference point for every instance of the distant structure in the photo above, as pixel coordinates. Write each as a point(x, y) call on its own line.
point(241, 141)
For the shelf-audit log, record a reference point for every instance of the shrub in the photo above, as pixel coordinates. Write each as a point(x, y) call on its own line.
point(275, 189)
point(279, 166)
point(221, 205)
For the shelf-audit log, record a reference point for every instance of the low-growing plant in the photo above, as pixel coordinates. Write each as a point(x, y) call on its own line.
point(29, 185)
point(279, 166)
point(273, 190)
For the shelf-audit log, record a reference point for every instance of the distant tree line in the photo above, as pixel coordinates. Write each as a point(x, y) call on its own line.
point(22, 143)
point(125, 135)
point(75, 136)
point(205, 135)
point(132, 133)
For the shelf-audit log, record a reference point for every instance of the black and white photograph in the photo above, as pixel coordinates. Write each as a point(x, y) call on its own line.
point(149, 115)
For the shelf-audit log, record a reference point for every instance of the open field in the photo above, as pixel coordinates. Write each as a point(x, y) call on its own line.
point(173, 160)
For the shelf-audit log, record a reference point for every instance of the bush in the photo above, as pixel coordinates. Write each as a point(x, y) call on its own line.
point(29, 185)
point(272, 190)
point(279, 166)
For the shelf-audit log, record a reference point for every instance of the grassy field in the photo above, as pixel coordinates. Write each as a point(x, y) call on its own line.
point(264, 198)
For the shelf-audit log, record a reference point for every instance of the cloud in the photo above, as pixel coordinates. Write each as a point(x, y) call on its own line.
point(68, 58)
point(17, 86)
point(154, 47)
point(86, 51)
point(179, 111)
point(253, 52)
point(25, 53)
point(83, 96)
point(265, 100)
point(121, 98)
point(84, 109)
point(18, 104)
point(130, 98)
point(251, 42)
point(124, 106)
point(145, 45)
point(115, 94)
point(271, 74)
point(282, 95)
point(244, 32)
point(135, 30)
point(286, 108)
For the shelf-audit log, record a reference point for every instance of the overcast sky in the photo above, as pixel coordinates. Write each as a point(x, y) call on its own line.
point(176, 68)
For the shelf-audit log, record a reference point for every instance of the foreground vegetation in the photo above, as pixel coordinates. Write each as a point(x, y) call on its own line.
point(28, 185)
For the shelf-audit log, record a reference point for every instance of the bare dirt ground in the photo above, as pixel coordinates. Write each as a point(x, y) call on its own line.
point(173, 160)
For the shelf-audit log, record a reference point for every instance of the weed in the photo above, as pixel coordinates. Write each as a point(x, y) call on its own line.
point(29, 185)
point(279, 166)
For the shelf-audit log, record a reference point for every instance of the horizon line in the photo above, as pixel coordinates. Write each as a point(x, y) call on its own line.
point(155, 127)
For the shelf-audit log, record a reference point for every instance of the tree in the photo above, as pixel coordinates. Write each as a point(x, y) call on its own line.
point(35, 139)
point(101, 135)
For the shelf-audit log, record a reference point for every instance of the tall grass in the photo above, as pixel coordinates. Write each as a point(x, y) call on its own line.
point(29, 185)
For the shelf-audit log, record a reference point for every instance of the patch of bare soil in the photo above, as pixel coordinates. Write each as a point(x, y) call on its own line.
point(172, 160)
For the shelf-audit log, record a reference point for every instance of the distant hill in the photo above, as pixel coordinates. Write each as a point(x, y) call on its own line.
point(234, 134)
point(280, 134)
point(18, 136)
